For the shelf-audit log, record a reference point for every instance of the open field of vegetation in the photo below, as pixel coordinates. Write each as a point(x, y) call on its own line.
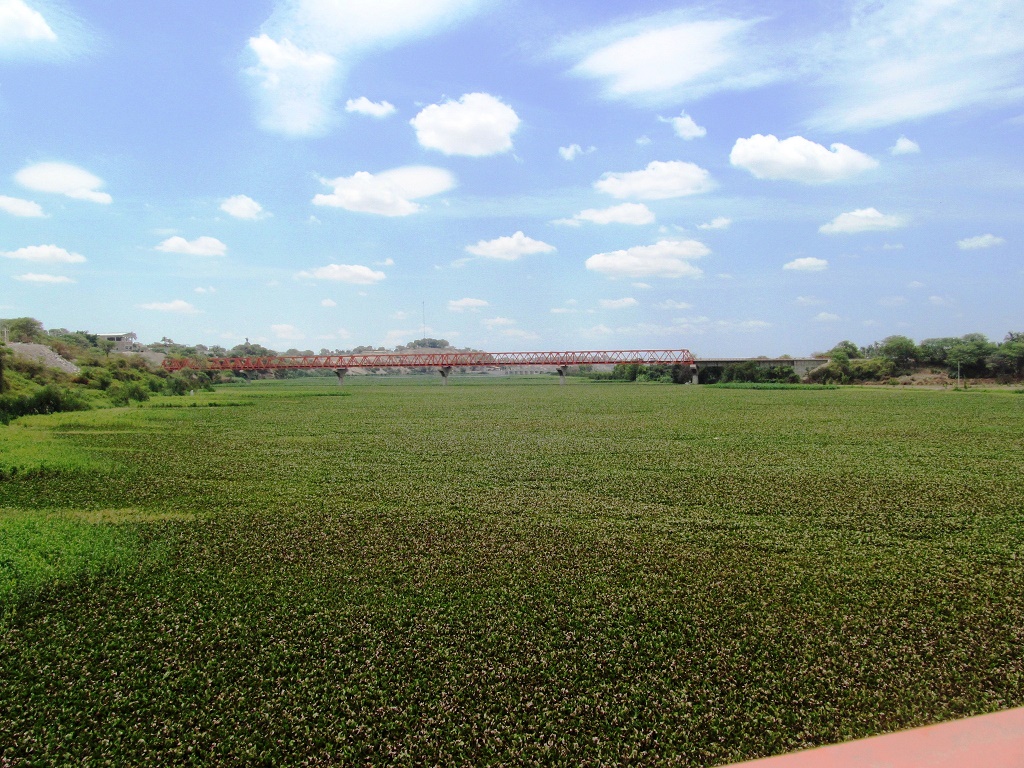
point(505, 573)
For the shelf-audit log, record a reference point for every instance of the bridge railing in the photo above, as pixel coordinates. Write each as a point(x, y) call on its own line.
point(433, 360)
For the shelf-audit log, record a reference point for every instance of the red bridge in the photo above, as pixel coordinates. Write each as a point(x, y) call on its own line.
point(442, 361)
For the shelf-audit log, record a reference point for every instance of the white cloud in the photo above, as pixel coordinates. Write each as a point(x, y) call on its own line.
point(356, 274)
point(461, 305)
point(243, 207)
point(208, 289)
point(509, 248)
point(862, 220)
point(201, 246)
point(63, 179)
point(826, 317)
point(808, 301)
point(33, 277)
point(573, 151)
point(672, 304)
point(981, 241)
point(44, 254)
point(666, 258)
point(364, 106)
point(901, 61)
point(892, 247)
point(915, 285)
point(658, 181)
point(720, 222)
point(20, 24)
point(389, 262)
point(626, 213)
point(641, 286)
point(656, 60)
point(904, 146)
point(306, 47)
point(939, 301)
point(618, 303)
point(563, 311)
point(178, 306)
point(18, 207)
point(807, 264)
point(685, 127)
point(390, 193)
point(476, 125)
point(643, 141)
point(294, 87)
point(287, 332)
point(328, 303)
point(798, 159)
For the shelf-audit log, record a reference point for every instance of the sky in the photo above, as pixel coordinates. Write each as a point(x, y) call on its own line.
point(734, 178)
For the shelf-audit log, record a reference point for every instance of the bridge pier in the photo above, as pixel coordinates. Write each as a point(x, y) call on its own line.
point(340, 372)
point(694, 378)
point(561, 374)
point(444, 371)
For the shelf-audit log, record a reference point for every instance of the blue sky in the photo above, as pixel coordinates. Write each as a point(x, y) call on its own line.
point(735, 178)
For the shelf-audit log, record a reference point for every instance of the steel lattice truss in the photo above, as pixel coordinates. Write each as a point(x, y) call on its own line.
point(434, 360)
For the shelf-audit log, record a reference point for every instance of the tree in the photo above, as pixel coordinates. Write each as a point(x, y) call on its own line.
point(852, 350)
point(24, 329)
point(900, 350)
point(969, 353)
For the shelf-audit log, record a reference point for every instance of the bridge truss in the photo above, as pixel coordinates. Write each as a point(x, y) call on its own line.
point(443, 361)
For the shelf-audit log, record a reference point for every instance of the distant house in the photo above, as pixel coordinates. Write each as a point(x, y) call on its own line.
point(123, 342)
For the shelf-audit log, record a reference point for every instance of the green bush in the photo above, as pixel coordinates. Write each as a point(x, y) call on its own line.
point(49, 399)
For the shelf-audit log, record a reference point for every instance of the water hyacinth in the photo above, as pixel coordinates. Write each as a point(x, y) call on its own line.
point(507, 573)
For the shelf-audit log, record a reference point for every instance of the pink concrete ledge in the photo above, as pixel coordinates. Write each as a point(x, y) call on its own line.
point(986, 741)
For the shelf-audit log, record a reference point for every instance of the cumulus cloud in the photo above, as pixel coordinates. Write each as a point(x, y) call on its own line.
point(862, 220)
point(721, 222)
point(573, 151)
point(509, 248)
point(44, 254)
point(18, 207)
point(806, 264)
point(33, 277)
point(656, 60)
point(63, 179)
point(666, 258)
point(462, 305)
point(287, 332)
point(20, 24)
point(981, 241)
point(243, 207)
point(206, 289)
point(826, 317)
point(904, 146)
point(364, 106)
point(798, 159)
point(201, 246)
point(685, 127)
point(627, 213)
point(390, 193)
point(356, 274)
point(625, 303)
point(306, 47)
point(476, 125)
point(178, 306)
point(658, 181)
point(900, 61)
